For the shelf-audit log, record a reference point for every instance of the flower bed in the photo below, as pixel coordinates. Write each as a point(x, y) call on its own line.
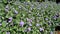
point(29, 17)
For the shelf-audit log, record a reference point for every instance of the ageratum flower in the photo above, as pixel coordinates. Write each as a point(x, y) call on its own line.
point(57, 15)
point(37, 24)
point(21, 23)
point(7, 8)
point(26, 3)
point(30, 24)
point(49, 22)
point(31, 8)
point(41, 29)
point(25, 30)
point(15, 11)
point(54, 17)
point(7, 32)
point(10, 19)
point(46, 6)
point(29, 20)
point(46, 18)
point(29, 29)
point(19, 7)
point(51, 32)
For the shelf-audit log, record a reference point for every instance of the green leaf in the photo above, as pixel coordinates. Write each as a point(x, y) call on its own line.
point(4, 32)
point(0, 28)
point(5, 1)
point(3, 23)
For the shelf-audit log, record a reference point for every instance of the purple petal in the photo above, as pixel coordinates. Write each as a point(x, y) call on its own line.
point(30, 24)
point(7, 8)
point(19, 7)
point(46, 6)
point(37, 24)
point(46, 18)
point(29, 20)
point(49, 23)
point(21, 23)
point(16, 12)
point(7, 32)
point(10, 19)
point(51, 32)
point(29, 29)
point(41, 29)
point(54, 17)
point(25, 30)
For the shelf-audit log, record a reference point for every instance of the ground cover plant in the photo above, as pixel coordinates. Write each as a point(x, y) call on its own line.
point(29, 17)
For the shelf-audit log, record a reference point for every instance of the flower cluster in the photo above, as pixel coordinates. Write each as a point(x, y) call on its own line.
point(29, 17)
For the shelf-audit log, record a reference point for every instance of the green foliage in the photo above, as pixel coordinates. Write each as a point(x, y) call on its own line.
point(42, 13)
point(5, 1)
point(3, 24)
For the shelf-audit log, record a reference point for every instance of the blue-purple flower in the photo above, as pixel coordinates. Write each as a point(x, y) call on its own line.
point(16, 12)
point(25, 30)
point(30, 24)
point(49, 22)
point(37, 24)
point(46, 18)
point(51, 32)
point(29, 29)
point(21, 23)
point(19, 7)
point(7, 32)
point(7, 8)
point(10, 19)
point(54, 17)
point(41, 29)
point(46, 6)
point(29, 20)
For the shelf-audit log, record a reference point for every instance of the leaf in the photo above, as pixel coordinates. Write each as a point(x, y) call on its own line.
point(5, 1)
point(3, 23)
point(4, 32)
